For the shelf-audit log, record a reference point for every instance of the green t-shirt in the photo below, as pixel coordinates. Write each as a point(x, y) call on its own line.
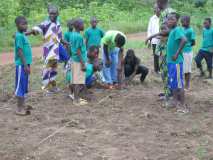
point(190, 36)
point(93, 35)
point(89, 70)
point(77, 42)
point(21, 42)
point(109, 38)
point(174, 39)
point(207, 44)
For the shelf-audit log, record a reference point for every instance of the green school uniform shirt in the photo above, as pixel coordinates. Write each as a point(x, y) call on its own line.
point(174, 39)
point(21, 42)
point(93, 35)
point(207, 44)
point(109, 38)
point(77, 42)
point(190, 36)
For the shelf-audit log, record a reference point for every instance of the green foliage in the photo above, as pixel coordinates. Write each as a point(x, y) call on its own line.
point(125, 15)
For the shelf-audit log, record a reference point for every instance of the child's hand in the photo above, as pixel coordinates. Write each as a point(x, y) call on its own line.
point(27, 69)
point(174, 58)
point(83, 67)
point(108, 63)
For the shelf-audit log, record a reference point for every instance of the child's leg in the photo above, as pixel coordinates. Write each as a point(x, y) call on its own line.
point(21, 89)
point(106, 70)
point(143, 71)
point(187, 80)
point(208, 58)
point(198, 60)
point(114, 66)
point(188, 57)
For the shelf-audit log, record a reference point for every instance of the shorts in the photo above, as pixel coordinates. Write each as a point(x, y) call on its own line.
point(188, 57)
point(78, 76)
point(175, 76)
point(21, 82)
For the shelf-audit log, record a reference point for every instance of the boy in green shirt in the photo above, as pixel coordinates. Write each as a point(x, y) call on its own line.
point(93, 34)
point(206, 52)
point(23, 60)
point(187, 50)
point(79, 59)
point(113, 43)
point(175, 45)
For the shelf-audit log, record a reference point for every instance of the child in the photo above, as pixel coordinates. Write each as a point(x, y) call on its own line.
point(175, 44)
point(113, 43)
point(153, 28)
point(52, 32)
point(67, 35)
point(79, 59)
point(132, 67)
point(23, 60)
point(93, 34)
point(187, 51)
point(206, 52)
point(92, 66)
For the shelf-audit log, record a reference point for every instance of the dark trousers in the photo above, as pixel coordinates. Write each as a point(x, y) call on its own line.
point(128, 70)
point(204, 55)
point(156, 59)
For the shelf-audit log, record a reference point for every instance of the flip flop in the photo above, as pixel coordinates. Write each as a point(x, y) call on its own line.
point(23, 113)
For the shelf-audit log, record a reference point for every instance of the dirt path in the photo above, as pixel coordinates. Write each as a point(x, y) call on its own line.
point(7, 58)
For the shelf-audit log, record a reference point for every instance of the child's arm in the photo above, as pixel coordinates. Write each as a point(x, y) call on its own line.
point(165, 33)
point(181, 46)
point(23, 60)
point(83, 67)
point(131, 77)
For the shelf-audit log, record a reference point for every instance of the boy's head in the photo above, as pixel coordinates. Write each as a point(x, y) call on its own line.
point(93, 22)
point(21, 23)
point(53, 13)
point(120, 40)
point(162, 4)
point(70, 24)
point(157, 10)
point(173, 20)
point(93, 52)
point(185, 20)
point(130, 54)
point(79, 24)
point(207, 23)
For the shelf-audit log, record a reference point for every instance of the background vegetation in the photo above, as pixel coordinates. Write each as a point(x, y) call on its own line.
point(126, 15)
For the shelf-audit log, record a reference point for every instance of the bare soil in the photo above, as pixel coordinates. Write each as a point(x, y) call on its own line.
point(128, 124)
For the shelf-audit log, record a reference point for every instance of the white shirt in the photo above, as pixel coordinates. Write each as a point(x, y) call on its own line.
point(153, 28)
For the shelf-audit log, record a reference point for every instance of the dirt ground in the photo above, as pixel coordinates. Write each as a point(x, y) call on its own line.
point(128, 124)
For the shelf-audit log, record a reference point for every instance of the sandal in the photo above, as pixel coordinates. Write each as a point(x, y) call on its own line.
point(23, 113)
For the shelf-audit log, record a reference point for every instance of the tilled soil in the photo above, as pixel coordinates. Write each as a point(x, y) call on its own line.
point(128, 124)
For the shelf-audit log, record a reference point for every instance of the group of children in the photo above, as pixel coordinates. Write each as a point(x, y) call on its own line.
point(173, 47)
point(80, 55)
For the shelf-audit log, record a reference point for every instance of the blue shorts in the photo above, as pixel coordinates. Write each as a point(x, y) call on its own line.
point(175, 76)
point(21, 82)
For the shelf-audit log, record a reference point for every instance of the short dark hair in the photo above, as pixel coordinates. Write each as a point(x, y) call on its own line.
point(93, 48)
point(120, 40)
point(93, 18)
point(208, 19)
point(77, 22)
point(70, 22)
point(19, 19)
point(186, 18)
